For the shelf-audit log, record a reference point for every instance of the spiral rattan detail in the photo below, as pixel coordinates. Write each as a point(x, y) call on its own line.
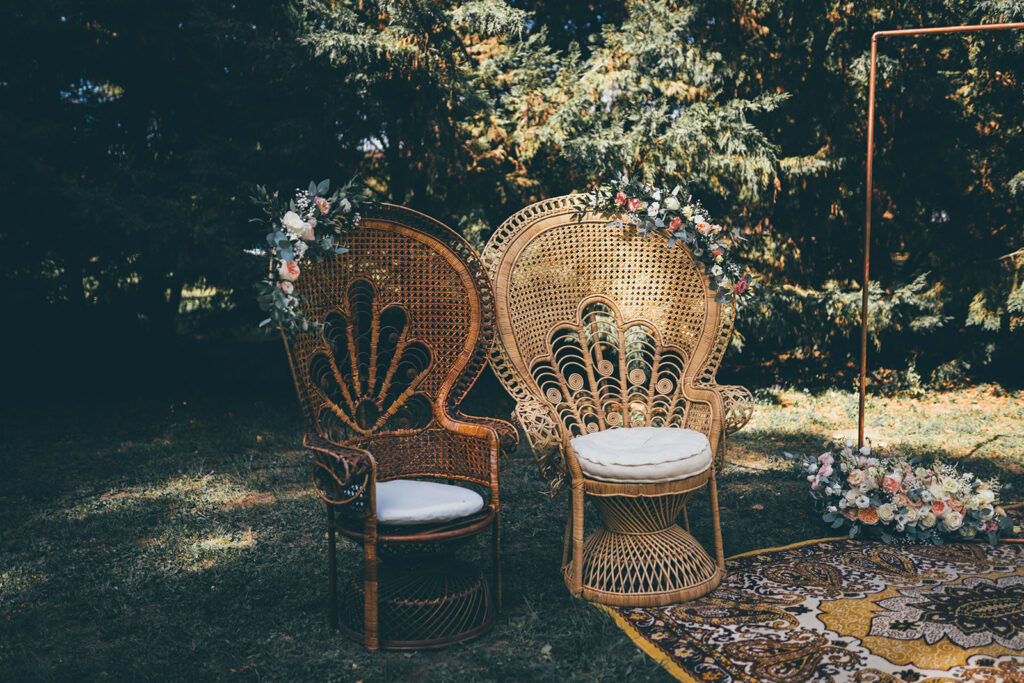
point(599, 327)
point(408, 320)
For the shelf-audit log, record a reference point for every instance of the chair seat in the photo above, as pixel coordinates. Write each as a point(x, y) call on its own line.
point(408, 501)
point(642, 455)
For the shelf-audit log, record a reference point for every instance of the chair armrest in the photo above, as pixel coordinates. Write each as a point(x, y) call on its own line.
point(545, 439)
point(508, 437)
point(340, 473)
point(738, 403)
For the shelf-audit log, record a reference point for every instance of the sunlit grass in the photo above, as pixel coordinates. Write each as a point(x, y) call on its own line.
point(164, 538)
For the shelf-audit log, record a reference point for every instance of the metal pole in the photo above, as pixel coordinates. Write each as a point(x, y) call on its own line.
point(870, 166)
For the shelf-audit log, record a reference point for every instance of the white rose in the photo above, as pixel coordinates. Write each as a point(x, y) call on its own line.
point(652, 210)
point(865, 450)
point(886, 512)
point(671, 203)
point(927, 520)
point(986, 496)
point(848, 443)
point(843, 503)
point(954, 520)
point(950, 484)
point(938, 493)
point(912, 515)
point(863, 501)
point(926, 497)
point(716, 269)
point(299, 248)
point(294, 225)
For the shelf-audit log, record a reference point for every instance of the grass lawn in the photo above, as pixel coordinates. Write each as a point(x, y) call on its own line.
point(172, 534)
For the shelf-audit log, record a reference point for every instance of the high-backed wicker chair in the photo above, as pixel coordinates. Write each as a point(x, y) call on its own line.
point(408, 315)
point(600, 328)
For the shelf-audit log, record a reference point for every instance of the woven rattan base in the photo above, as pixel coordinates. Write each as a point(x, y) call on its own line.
point(642, 557)
point(431, 605)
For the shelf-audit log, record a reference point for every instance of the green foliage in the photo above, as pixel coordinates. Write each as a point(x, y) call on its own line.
point(136, 130)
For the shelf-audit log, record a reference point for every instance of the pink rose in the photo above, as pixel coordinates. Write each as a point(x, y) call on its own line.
point(716, 228)
point(675, 222)
point(857, 477)
point(308, 234)
point(703, 228)
point(825, 471)
point(287, 287)
point(890, 485)
point(322, 204)
point(633, 204)
point(741, 285)
point(288, 270)
point(861, 461)
point(938, 508)
point(620, 198)
point(718, 252)
point(826, 458)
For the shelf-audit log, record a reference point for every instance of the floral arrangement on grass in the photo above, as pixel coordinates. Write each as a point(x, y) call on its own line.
point(310, 228)
point(901, 499)
point(686, 221)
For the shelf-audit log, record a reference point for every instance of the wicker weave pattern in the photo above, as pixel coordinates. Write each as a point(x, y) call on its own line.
point(597, 329)
point(408, 321)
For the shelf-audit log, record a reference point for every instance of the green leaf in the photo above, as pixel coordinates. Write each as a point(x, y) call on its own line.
point(312, 187)
point(324, 187)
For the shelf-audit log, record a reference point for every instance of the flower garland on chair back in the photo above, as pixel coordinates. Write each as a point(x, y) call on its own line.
point(310, 228)
point(686, 222)
point(900, 498)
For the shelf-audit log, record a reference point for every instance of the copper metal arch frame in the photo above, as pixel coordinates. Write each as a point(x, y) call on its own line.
point(871, 156)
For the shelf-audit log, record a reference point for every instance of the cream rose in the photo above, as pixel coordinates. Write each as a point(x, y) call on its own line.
point(954, 520)
point(912, 515)
point(671, 203)
point(294, 225)
point(986, 496)
point(927, 520)
point(950, 485)
point(886, 513)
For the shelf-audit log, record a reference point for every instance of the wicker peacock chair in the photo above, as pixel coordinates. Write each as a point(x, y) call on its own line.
point(408, 322)
point(605, 339)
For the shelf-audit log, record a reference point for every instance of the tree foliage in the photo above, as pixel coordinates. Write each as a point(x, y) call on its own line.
point(136, 130)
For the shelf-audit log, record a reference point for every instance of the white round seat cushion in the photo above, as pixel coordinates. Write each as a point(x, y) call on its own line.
point(642, 455)
point(408, 501)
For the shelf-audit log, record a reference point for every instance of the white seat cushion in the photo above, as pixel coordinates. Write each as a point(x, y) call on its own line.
point(407, 501)
point(642, 455)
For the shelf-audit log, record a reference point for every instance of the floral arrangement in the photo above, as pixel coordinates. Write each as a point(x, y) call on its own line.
point(310, 228)
point(900, 498)
point(687, 222)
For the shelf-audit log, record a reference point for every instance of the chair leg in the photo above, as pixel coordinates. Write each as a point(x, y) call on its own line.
point(686, 519)
point(567, 541)
point(717, 527)
point(577, 539)
point(496, 539)
point(370, 606)
point(332, 570)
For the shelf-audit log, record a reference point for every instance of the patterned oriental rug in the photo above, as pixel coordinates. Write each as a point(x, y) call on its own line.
point(841, 610)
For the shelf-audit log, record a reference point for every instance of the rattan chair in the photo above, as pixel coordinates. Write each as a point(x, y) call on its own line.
point(408, 322)
point(602, 329)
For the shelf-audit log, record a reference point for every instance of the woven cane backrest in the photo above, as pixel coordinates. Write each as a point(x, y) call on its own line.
point(600, 327)
point(407, 315)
